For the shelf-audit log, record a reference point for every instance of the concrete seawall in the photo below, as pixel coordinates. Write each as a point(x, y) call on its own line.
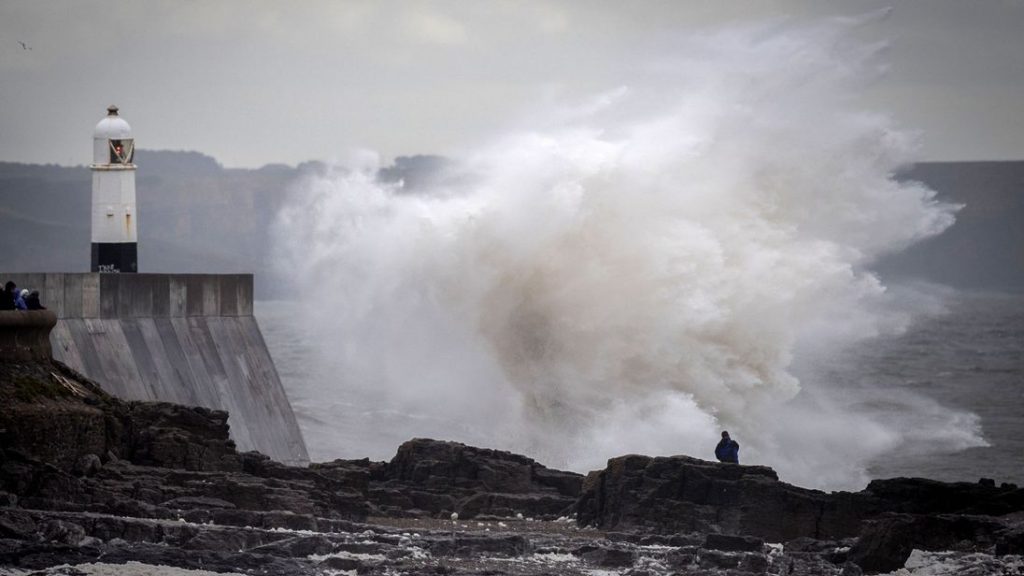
point(184, 338)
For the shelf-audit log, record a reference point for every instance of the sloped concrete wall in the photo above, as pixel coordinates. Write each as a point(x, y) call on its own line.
point(184, 338)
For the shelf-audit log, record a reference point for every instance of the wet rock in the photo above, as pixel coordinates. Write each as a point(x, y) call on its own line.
point(754, 563)
point(435, 478)
point(713, 559)
point(16, 524)
point(342, 563)
point(851, 569)
point(297, 546)
point(181, 437)
point(236, 517)
point(1010, 541)
point(172, 490)
point(671, 540)
point(221, 540)
point(193, 502)
point(729, 543)
point(288, 520)
point(610, 557)
point(923, 496)
point(475, 544)
point(62, 532)
point(682, 559)
point(682, 494)
point(508, 505)
point(88, 465)
point(887, 542)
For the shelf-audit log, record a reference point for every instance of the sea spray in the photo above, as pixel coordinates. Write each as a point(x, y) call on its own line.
point(631, 275)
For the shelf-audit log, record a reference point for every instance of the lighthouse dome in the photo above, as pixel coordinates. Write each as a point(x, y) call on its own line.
point(113, 127)
point(112, 143)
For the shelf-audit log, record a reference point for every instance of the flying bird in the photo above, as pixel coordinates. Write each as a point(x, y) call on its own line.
point(24, 46)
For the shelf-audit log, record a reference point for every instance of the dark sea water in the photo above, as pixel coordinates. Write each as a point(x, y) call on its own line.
point(968, 360)
point(971, 358)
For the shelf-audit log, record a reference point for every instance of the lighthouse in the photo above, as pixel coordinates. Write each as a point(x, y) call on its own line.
point(114, 238)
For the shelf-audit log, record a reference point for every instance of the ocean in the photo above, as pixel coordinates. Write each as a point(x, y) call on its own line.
point(970, 358)
point(966, 360)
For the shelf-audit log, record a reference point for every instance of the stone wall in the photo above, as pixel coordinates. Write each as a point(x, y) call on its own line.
point(25, 334)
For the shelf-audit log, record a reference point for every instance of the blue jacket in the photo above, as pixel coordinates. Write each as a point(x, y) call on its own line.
point(728, 450)
point(19, 302)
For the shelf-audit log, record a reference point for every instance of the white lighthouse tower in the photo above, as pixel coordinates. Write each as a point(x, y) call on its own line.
point(114, 239)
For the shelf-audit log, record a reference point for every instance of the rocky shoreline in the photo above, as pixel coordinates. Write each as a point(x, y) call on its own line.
point(88, 480)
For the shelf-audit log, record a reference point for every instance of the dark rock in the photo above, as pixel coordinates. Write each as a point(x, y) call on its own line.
point(162, 463)
point(851, 569)
point(288, 520)
point(353, 474)
point(682, 559)
point(296, 546)
point(1010, 540)
point(361, 547)
point(609, 557)
point(729, 543)
point(754, 563)
point(181, 437)
point(62, 532)
point(437, 464)
point(818, 547)
point(682, 494)
point(833, 551)
point(193, 502)
point(341, 563)
point(887, 542)
point(922, 496)
point(236, 517)
point(508, 505)
point(16, 524)
point(631, 537)
point(108, 528)
point(88, 465)
point(434, 478)
point(475, 543)
point(713, 559)
point(45, 418)
point(678, 540)
point(220, 540)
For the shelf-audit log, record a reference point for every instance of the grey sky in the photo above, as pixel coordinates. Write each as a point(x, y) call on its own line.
point(258, 82)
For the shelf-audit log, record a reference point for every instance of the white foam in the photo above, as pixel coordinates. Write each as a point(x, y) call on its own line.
point(921, 563)
point(133, 568)
point(632, 276)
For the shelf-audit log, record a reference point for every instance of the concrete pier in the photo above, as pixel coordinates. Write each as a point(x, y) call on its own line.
point(184, 338)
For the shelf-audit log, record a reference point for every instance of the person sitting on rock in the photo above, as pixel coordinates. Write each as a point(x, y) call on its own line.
point(19, 299)
point(728, 450)
point(33, 302)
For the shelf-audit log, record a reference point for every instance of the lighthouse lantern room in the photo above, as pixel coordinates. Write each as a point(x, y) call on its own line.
point(114, 237)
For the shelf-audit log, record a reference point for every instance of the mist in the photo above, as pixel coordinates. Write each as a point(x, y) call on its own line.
point(633, 273)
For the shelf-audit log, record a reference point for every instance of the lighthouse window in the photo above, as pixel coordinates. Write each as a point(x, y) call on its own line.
point(122, 151)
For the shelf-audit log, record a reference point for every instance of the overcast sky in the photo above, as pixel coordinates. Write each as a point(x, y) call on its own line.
point(258, 82)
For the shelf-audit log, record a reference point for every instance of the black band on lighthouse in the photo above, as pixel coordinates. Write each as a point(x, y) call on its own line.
point(115, 257)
